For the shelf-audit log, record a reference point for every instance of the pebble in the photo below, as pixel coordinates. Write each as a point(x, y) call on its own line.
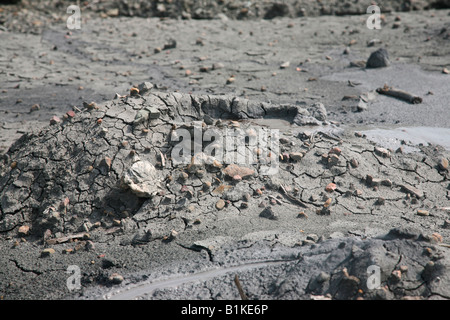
point(35, 107)
point(244, 205)
point(47, 252)
point(285, 65)
point(354, 163)
point(302, 215)
point(70, 113)
point(412, 190)
point(422, 212)
point(23, 230)
point(55, 120)
point(335, 150)
point(233, 170)
point(230, 80)
point(268, 214)
point(382, 152)
point(378, 59)
point(296, 156)
point(116, 278)
point(333, 159)
point(443, 164)
point(220, 204)
point(134, 91)
point(330, 187)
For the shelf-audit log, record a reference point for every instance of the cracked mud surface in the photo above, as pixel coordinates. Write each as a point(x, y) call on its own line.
point(337, 204)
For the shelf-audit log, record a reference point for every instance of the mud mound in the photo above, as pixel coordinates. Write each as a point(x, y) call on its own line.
point(153, 165)
point(114, 161)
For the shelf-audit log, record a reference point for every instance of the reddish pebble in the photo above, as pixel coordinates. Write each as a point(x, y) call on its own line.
point(330, 187)
point(71, 113)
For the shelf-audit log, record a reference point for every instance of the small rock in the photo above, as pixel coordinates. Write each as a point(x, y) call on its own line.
point(333, 159)
point(412, 190)
point(230, 80)
point(378, 59)
point(302, 215)
point(145, 87)
point(70, 114)
point(244, 205)
point(373, 42)
point(285, 65)
point(335, 150)
point(134, 91)
point(443, 164)
point(116, 278)
point(354, 163)
point(422, 212)
point(381, 201)
point(220, 204)
point(382, 152)
point(55, 120)
point(217, 66)
point(35, 107)
point(233, 170)
point(23, 231)
point(296, 156)
point(330, 187)
point(268, 214)
point(170, 44)
point(47, 252)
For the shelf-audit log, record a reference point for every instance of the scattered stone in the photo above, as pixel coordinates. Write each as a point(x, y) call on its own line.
point(217, 66)
point(235, 170)
point(35, 107)
point(354, 163)
point(333, 159)
point(422, 212)
point(335, 150)
point(268, 214)
point(285, 65)
point(220, 204)
point(378, 59)
point(330, 187)
point(382, 152)
point(443, 164)
point(116, 278)
point(302, 215)
point(170, 44)
point(145, 87)
point(380, 201)
point(412, 190)
point(230, 80)
point(23, 231)
point(134, 91)
point(296, 156)
point(373, 42)
point(47, 252)
point(55, 120)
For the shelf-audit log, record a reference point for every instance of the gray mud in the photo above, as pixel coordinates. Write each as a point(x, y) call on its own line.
point(88, 179)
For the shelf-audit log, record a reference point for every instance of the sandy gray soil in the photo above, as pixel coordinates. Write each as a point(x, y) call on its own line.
point(287, 235)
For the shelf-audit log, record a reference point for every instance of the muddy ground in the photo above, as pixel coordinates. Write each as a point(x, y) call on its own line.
point(338, 204)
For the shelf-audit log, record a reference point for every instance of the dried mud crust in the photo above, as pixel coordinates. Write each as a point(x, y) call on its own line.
point(110, 165)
